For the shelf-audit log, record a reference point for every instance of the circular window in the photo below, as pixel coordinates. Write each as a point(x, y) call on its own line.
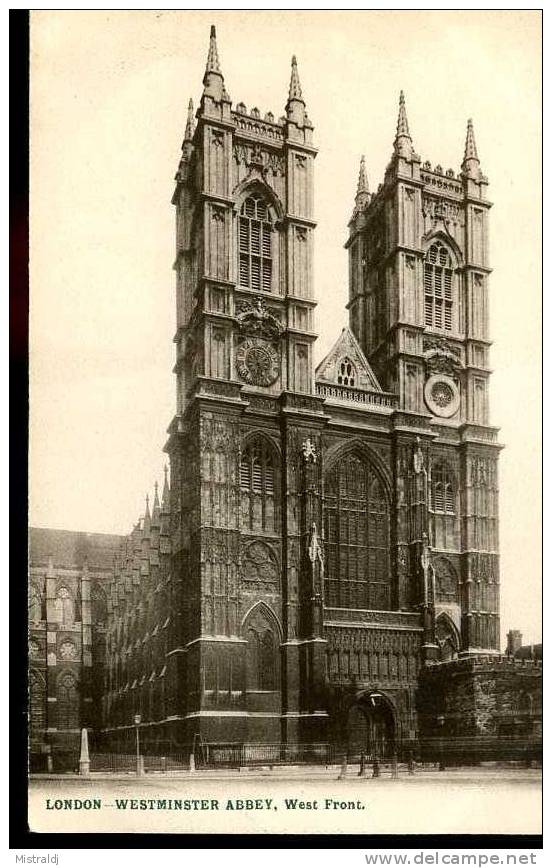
point(442, 396)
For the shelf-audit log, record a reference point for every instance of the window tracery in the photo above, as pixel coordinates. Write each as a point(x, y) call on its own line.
point(262, 653)
point(257, 484)
point(443, 494)
point(255, 245)
point(67, 701)
point(346, 373)
point(356, 533)
point(439, 287)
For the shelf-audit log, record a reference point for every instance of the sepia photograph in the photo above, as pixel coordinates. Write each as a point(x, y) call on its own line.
point(285, 422)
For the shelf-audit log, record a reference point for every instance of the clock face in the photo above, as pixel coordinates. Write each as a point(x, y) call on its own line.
point(257, 362)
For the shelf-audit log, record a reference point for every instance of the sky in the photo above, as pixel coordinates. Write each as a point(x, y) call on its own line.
point(109, 91)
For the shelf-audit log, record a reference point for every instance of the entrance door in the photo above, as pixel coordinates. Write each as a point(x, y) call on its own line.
point(371, 728)
point(358, 731)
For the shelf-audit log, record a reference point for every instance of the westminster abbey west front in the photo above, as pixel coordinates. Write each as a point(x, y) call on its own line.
point(335, 529)
point(323, 566)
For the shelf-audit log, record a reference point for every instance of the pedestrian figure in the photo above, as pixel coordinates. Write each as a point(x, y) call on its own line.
point(343, 772)
point(375, 767)
point(362, 769)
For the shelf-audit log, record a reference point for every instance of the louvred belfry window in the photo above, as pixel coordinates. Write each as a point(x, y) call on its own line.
point(356, 537)
point(442, 489)
point(438, 288)
point(255, 245)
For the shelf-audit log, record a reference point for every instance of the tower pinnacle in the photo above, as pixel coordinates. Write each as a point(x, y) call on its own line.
point(294, 84)
point(213, 64)
point(362, 186)
point(166, 492)
point(147, 518)
point(213, 80)
point(295, 106)
point(403, 140)
point(470, 163)
point(189, 133)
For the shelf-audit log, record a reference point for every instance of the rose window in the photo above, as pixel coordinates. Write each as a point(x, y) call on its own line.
point(442, 394)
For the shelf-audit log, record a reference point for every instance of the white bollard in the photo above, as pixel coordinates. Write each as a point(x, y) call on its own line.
point(84, 761)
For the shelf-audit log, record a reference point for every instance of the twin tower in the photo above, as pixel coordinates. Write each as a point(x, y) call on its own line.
point(333, 531)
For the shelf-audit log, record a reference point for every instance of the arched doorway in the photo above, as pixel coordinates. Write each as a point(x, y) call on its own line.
point(371, 727)
point(447, 638)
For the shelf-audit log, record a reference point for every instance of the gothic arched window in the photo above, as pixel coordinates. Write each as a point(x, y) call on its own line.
point(67, 701)
point(255, 245)
point(99, 607)
point(257, 484)
point(442, 489)
point(261, 659)
point(438, 287)
point(447, 638)
point(356, 533)
point(64, 607)
point(262, 656)
point(346, 373)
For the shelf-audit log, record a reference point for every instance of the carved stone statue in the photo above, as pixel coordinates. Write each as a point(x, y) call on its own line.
point(255, 319)
point(315, 548)
point(418, 457)
point(309, 451)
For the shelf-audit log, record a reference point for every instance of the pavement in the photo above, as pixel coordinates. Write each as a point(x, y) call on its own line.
point(486, 774)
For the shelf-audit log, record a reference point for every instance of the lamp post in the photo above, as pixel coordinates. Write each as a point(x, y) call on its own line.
point(137, 721)
point(440, 724)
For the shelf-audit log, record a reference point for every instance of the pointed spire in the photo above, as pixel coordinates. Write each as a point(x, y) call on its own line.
point(166, 491)
point(362, 186)
point(294, 84)
point(470, 151)
point(402, 122)
point(189, 134)
point(403, 140)
point(213, 64)
point(470, 163)
point(147, 516)
point(362, 197)
point(146, 527)
point(213, 80)
point(156, 511)
point(295, 106)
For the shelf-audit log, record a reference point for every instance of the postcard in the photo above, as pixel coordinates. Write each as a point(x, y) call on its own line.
point(285, 311)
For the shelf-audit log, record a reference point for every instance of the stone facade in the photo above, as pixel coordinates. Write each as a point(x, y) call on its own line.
point(329, 541)
point(482, 706)
point(69, 591)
